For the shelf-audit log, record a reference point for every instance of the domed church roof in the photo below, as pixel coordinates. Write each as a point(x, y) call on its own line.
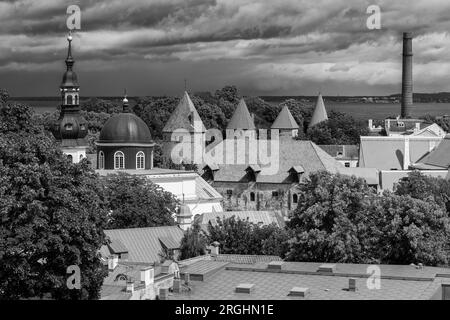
point(125, 128)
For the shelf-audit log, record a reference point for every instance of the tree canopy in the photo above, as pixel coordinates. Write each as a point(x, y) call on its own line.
point(136, 202)
point(341, 219)
point(52, 214)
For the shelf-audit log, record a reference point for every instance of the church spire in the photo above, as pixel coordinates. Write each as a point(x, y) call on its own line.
point(69, 60)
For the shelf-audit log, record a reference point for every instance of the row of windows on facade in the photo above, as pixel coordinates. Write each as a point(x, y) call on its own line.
point(70, 100)
point(119, 160)
point(275, 194)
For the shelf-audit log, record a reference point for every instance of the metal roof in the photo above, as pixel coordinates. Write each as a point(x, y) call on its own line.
point(285, 120)
point(241, 118)
point(144, 244)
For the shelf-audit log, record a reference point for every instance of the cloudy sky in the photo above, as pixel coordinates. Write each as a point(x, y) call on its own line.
point(265, 47)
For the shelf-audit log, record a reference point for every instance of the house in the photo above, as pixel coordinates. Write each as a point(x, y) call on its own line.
point(412, 127)
point(142, 245)
point(138, 281)
point(347, 155)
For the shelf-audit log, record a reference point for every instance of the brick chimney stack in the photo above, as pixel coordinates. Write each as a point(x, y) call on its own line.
point(407, 82)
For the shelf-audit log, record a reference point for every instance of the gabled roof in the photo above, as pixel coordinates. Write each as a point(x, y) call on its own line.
point(386, 153)
point(285, 120)
point(185, 116)
point(320, 113)
point(342, 152)
point(440, 156)
point(290, 153)
point(241, 118)
point(144, 244)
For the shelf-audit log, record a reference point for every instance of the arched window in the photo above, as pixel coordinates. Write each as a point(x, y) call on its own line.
point(70, 157)
point(252, 196)
point(76, 99)
point(295, 198)
point(69, 99)
point(140, 160)
point(119, 160)
point(81, 156)
point(101, 160)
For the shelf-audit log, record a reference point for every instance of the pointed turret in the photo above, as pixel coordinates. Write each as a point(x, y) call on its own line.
point(185, 116)
point(286, 123)
point(70, 129)
point(320, 113)
point(241, 118)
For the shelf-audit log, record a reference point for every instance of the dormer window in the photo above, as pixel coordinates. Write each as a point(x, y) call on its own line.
point(68, 127)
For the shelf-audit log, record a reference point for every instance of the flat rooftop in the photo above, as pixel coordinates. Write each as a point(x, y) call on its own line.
point(397, 282)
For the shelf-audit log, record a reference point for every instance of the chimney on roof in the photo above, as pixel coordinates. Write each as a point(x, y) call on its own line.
point(299, 292)
point(163, 293)
point(352, 284)
point(147, 275)
point(130, 286)
point(177, 285)
point(215, 249)
point(407, 81)
point(245, 288)
point(113, 261)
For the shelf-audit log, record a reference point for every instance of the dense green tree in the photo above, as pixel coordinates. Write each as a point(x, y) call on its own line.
point(52, 214)
point(330, 223)
point(4, 95)
point(341, 219)
point(423, 187)
point(237, 236)
point(340, 128)
point(136, 202)
point(193, 243)
point(409, 230)
point(101, 106)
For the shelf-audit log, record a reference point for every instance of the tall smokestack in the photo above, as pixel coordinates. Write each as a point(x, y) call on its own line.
point(407, 83)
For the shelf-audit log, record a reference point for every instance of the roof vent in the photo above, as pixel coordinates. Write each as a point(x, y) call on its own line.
point(244, 288)
point(299, 292)
point(352, 284)
point(327, 268)
point(275, 265)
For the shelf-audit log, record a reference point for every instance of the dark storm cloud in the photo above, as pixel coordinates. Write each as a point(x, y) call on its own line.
point(279, 47)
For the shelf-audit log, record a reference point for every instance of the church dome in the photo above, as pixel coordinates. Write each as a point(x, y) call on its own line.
point(69, 79)
point(125, 128)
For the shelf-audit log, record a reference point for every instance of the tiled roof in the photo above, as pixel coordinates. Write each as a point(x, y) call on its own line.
point(386, 153)
point(246, 259)
point(397, 282)
point(291, 153)
point(117, 246)
point(241, 118)
point(285, 120)
point(144, 244)
point(256, 217)
point(342, 152)
point(320, 113)
point(205, 191)
point(439, 158)
point(185, 116)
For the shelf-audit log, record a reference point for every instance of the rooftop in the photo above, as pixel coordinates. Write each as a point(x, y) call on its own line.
point(143, 244)
point(241, 118)
point(397, 282)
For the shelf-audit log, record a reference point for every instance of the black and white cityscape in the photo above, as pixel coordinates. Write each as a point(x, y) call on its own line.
point(194, 150)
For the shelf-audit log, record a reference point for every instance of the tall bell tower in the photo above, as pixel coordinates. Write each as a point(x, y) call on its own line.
point(70, 129)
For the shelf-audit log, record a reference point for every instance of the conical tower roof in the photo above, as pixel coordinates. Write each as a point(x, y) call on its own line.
point(241, 118)
point(320, 113)
point(285, 120)
point(185, 116)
